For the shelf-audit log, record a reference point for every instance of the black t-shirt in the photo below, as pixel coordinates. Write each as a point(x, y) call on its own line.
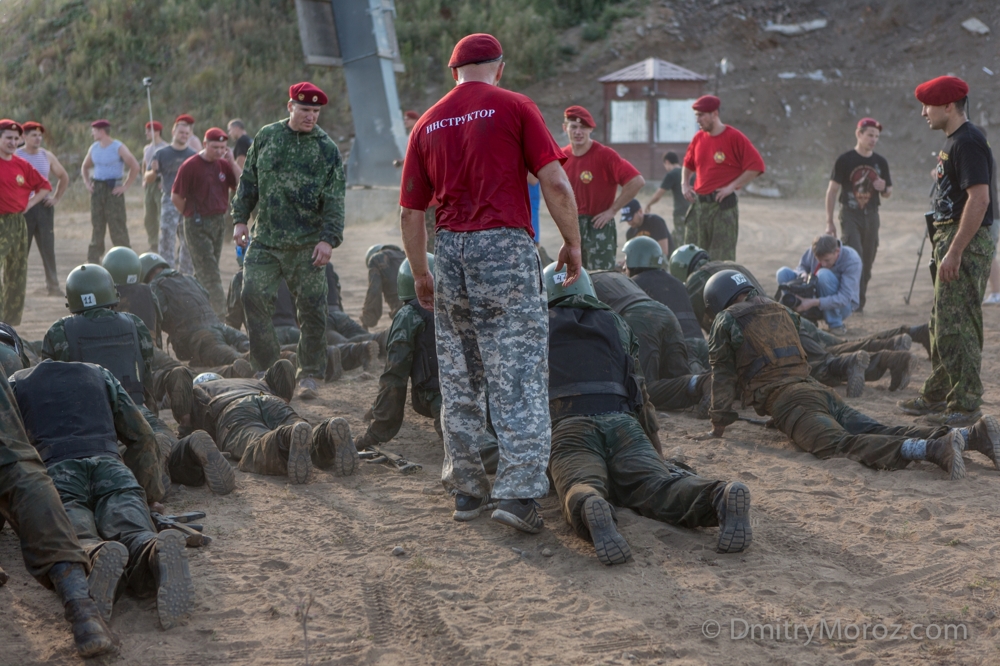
point(242, 146)
point(672, 183)
point(856, 174)
point(654, 227)
point(169, 160)
point(965, 160)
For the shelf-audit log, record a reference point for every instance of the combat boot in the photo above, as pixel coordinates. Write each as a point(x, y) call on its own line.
point(922, 335)
point(371, 357)
point(281, 378)
point(334, 364)
point(90, 632)
point(345, 454)
point(242, 369)
point(105, 573)
point(851, 367)
point(732, 505)
point(218, 472)
point(299, 441)
point(599, 517)
point(521, 514)
point(946, 453)
point(919, 406)
point(897, 363)
point(984, 437)
point(174, 589)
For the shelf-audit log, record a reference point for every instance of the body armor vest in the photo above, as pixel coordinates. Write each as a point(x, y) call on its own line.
point(589, 370)
point(284, 307)
point(771, 349)
point(113, 344)
point(187, 306)
point(668, 290)
point(424, 371)
point(138, 299)
point(66, 411)
point(616, 290)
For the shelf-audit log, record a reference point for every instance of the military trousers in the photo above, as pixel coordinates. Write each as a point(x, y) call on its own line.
point(205, 235)
point(698, 355)
point(859, 230)
point(104, 502)
point(151, 214)
point(956, 327)
point(609, 455)
point(41, 229)
point(598, 247)
point(663, 351)
point(339, 322)
point(491, 324)
point(107, 214)
point(675, 393)
point(14, 258)
point(173, 244)
point(216, 345)
point(713, 228)
point(818, 421)
point(263, 269)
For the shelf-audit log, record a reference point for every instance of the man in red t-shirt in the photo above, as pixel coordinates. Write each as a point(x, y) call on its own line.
point(723, 160)
point(596, 172)
point(18, 180)
point(201, 192)
point(472, 151)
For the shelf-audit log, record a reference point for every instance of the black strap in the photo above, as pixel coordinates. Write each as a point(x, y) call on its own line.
point(761, 361)
point(587, 388)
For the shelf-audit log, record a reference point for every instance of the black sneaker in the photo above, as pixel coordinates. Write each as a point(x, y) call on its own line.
point(105, 572)
point(469, 508)
point(735, 532)
point(519, 514)
point(599, 518)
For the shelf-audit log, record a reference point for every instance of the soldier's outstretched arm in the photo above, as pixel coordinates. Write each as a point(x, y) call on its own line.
point(722, 356)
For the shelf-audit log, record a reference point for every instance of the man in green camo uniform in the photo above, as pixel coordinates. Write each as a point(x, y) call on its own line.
point(601, 434)
point(252, 421)
point(294, 177)
point(959, 225)
point(383, 262)
point(755, 353)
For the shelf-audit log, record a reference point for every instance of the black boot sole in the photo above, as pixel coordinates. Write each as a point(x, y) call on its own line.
point(105, 573)
point(610, 545)
point(735, 532)
point(175, 593)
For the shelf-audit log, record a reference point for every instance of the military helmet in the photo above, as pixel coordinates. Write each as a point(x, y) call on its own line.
point(644, 252)
point(123, 264)
point(684, 259)
point(722, 288)
point(90, 286)
point(371, 253)
point(405, 289)
point(206, 377)
point(149, 261)
point(554, 283)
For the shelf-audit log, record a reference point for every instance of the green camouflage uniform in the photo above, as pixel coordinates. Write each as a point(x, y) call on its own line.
point(813, 416)
point(14, 258)
point(205, 235)
point(957, 322)
point(382, 270)
point(713, 228)
point(696, 286)
point(151, 214)
point(107, 211)
point(611, 456)
point(296, 183)
point(598, 247)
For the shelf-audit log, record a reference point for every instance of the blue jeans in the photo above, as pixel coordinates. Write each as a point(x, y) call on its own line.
point(829, 283)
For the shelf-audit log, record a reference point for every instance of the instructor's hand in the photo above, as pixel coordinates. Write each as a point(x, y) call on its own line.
point(321, 253)
point(241, 235)
point(687, 191)
point(948, 270)
point(570, 257)
point(424, 286)
point(601, 219)
point(831, 228)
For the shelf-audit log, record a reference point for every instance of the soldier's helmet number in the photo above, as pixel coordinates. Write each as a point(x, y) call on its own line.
point(132, 279)
point(88, 300)
point(559, 278)
point(739, 278)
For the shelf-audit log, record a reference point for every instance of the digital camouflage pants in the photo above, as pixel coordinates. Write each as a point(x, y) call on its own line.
point(713, 228)
point(173, 246)
point(205, 235)
point(491, 324)
point(107, 213)
point(598, 247)
point(14, 257)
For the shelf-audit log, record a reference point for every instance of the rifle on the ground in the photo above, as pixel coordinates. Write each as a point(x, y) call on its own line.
point(376, 454)
point(182, 523)
point(767, 423)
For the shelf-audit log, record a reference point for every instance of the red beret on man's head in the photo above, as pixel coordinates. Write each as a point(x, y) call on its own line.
point(941, 91)
point(580, 115)
point(7, 124)
point(865, 123)
point(707, 104)
point(32, 125)
point(157, 126)
point(475, 49)
point(307, 94)
point(184, 118)
point(215, 134)
point(100, 124)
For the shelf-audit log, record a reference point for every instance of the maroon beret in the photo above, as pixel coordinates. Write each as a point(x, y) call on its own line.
point(307, 94)
point(7, 124)
point(580, 115)
point(100, 124)
point(865, 123)
point(32, 125)
point(215, 134)
point(707, 104)
point(412, 115)
point(157, 126)
point(475, 49)
point(941, 91)
point(184, 118)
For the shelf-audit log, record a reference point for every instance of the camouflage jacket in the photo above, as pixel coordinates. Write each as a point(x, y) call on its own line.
point(382, 272)
point(56, 347)
point(295, 180)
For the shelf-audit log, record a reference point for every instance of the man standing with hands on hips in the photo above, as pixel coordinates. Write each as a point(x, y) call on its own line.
point(294, 178)
point(723, 160)
point(963, 210)
point(108, 158)
point(473, 151)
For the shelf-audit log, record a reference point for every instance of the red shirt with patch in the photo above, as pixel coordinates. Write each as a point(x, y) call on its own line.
point(204, 185)
point(595, 177)
point(719, 160)
point(472, 151)
point(18, 179)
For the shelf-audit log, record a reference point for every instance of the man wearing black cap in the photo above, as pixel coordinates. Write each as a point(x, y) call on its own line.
point(647, 224)
point(108, 158)
point(723, 160)
point(963, 210)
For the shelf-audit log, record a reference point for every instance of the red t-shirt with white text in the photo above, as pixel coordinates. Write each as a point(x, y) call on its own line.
point(472, 151)
point(18, 179)
point(719, 160)
point(205, 185)
point(595, 177)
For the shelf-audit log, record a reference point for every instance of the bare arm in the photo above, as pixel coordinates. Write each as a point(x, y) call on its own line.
point(561, 202)
point(656, 197)
point(56, 168)
point(832, 192)
point(150, 175)
point(240, 161)
point(887, 192)
point(88, 164)
point(665, 246)
point(628, 192)
point(411, 224)
point(972, 218)
point(133, 170)
point(178, 201)
point(686, 188)
point(740, 181)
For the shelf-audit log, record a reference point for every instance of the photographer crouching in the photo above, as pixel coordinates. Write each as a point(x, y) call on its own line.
point(835, 270)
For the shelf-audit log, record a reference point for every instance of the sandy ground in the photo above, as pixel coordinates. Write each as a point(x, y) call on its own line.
point(834, 541)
